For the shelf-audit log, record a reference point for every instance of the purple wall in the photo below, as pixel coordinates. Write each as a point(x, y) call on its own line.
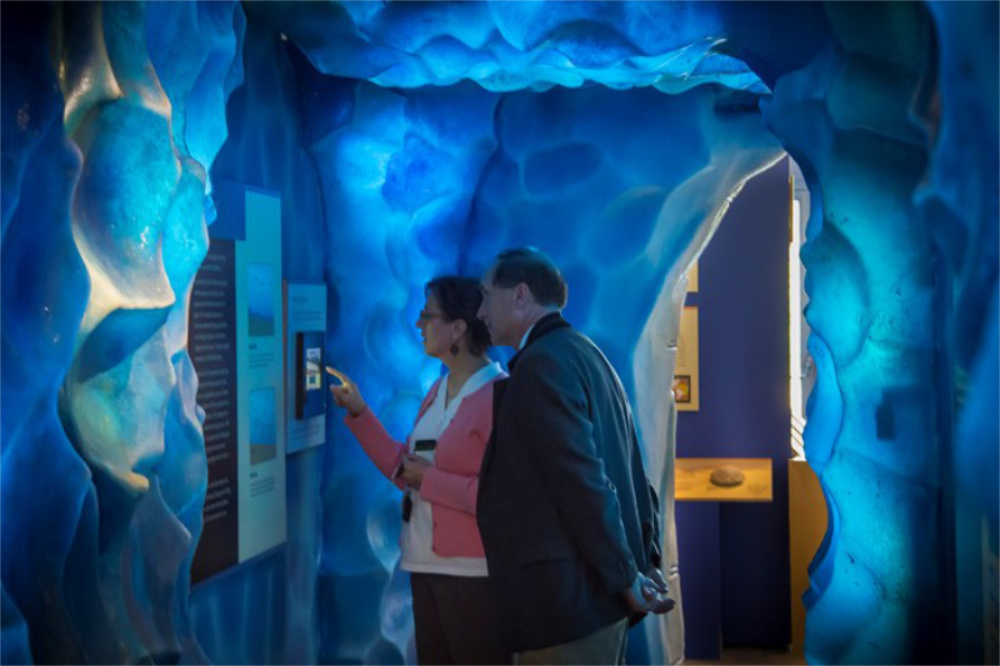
point(734, 557)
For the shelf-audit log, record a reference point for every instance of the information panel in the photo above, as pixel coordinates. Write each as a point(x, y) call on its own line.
point(306, 381)
point(262, 431)
point(235, 339)
point(212, 345)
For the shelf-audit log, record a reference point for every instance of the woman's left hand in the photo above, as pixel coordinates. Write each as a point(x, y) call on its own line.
point(413, 470)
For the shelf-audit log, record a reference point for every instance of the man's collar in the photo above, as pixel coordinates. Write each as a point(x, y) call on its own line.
point(524, 338)
point(546, 324)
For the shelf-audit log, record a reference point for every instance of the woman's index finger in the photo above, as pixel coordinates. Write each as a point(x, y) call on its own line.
point(338, 374)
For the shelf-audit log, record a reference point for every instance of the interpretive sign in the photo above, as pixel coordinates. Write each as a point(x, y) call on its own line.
point(212, 345)
point(235, 338)
point(306, 380)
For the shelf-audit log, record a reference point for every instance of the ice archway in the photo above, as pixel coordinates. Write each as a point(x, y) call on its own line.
point(426, 137)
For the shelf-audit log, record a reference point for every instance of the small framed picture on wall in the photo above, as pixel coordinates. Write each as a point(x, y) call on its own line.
point(685, 386)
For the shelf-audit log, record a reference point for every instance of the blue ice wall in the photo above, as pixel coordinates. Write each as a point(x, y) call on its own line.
point(101, 240)
point(959, 202)
point(14, 647)
point(847, 85)
point(875, 434)
point(399, 174)
point(616, 185)
point(265, 611)
point(622, 169)
point(44, 288)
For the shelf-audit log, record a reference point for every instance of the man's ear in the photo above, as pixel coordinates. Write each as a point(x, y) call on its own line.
point(522, 295)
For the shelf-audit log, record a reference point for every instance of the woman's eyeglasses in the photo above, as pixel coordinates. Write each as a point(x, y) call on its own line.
point(427, 316)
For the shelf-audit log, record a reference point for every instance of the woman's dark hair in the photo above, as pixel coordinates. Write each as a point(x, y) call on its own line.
point(460, 298)
point(535, 269)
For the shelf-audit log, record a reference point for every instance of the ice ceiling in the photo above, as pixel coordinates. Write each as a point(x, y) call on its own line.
point(611, 133)
point(510, 46)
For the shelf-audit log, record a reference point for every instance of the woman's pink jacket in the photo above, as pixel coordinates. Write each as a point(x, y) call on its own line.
point(452, 483)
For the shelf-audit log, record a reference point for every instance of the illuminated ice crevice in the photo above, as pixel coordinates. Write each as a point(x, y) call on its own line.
point(124, 522)
point(873, 435)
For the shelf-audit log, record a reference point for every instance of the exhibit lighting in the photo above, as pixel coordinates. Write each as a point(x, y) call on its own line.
point(795, 346)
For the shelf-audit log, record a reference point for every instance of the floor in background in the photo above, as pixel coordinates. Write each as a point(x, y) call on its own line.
point(752, 657)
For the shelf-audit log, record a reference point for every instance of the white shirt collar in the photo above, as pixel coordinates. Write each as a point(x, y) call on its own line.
point(481, 378)
point(478, 380)
point(437, 417)
point(524, 339)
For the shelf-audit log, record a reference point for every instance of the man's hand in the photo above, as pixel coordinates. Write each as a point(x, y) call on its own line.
point(648, 594)
point(656, 578)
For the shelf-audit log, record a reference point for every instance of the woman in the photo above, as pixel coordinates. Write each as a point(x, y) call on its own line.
point(438, 468)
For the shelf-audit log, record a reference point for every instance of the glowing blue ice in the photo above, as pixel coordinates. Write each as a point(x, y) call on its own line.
point(960, 204)
point(267, 611)
point(401, 170)
point(107, 579)
point(578, 172)
point(433, 135)
point(510, 46)
point(874, 434)
point(44, 290)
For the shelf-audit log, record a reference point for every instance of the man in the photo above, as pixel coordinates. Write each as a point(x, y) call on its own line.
point(568, 519)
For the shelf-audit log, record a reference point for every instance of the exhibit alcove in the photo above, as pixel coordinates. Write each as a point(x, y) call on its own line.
point(407, 140)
